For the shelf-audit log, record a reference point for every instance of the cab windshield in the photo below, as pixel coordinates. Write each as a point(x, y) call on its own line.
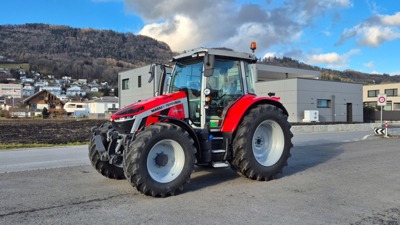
point(187, 77)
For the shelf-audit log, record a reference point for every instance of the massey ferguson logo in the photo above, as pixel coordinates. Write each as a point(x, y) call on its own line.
point(157, 108)
point(161, 107)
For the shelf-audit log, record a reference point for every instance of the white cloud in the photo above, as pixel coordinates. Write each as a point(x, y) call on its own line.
point(345, 3)
point(376, 35)
point(394, 73)
point(327, 58)
point(326, 33)
point(332, 59)
point(375, 72)
point(227, 23)
point(270, 54)
point(388, 20)
point(180, 33)
point(374, 31)
point(369, 64)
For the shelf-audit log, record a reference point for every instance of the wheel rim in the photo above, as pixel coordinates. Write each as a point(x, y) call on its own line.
point(268, 143)
point(165, 161)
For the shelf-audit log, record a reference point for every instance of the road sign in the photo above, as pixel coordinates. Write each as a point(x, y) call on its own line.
point(382, 100)
point(379, 130)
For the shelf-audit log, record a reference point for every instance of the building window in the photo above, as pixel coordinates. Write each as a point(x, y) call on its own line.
point(323, 103)
point(391, 92)
point(388, 106)
point(371, 104)
point(373, 93)
point(139, 81)
point(396, 106)
point(125, 84)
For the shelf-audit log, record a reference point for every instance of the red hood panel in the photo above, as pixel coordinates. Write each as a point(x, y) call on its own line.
point(145, 105)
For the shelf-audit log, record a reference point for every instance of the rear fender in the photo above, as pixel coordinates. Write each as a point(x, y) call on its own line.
point(236, 112)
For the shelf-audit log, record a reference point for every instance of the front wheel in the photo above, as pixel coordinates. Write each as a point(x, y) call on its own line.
point(262, 143)
point(160, 160)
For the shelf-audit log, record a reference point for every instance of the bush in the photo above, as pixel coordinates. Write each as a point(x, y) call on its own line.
point(5, 113)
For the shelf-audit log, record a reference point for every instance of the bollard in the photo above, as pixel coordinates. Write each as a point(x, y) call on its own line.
point(386, 129)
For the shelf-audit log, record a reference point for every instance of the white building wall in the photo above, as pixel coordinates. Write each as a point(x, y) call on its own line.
point(11, 90)
point(77, 108)
point(101, 107)
point(287, 91)
point(298, 95)
point(134, 93)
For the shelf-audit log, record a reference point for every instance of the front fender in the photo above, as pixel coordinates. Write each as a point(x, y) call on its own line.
point(235, 113)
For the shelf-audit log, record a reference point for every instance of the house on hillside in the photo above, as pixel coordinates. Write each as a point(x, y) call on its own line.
point(28, 90)
point(44, 99)
point(75, 91)
point(103, 107)
point(55, 90)
point(77, 109)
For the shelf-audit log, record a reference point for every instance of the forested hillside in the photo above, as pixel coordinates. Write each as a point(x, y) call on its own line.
point(79, 53)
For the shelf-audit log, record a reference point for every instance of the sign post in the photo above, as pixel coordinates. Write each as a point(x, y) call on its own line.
point(382, 102)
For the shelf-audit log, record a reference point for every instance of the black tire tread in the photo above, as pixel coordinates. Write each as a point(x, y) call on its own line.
point(242, 161)
point(134, 155)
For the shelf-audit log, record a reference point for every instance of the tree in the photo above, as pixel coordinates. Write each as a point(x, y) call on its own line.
point(106, 92)
point(45, 113)
point(116, 92)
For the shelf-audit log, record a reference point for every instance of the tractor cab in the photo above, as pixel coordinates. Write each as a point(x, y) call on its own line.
point(213, 79)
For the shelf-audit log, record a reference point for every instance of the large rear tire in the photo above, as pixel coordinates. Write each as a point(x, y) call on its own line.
point(160, 160)
point(104, 168)
point(261, 146)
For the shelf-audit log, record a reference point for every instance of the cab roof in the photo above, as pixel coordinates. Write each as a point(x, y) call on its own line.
point(199, 52)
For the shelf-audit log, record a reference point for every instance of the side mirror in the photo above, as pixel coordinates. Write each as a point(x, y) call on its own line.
point(209, 61)
point(151, 72)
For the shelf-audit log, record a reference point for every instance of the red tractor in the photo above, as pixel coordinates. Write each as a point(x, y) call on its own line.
point(207, 114)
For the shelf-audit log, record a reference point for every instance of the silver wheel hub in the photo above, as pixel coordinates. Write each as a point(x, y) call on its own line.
point(268, 143)
point(165, 161)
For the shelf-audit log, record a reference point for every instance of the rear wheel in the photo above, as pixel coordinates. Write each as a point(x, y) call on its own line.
point(104, 168)
point(262, 143)
point(160, 160)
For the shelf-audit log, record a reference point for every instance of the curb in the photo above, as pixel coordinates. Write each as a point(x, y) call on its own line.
point(303, 129)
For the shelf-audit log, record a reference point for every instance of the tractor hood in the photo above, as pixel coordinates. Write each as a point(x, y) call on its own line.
point(149, 107)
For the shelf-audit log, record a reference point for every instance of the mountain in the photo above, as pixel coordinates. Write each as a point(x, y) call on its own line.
point(351, 76)
point(79, 53)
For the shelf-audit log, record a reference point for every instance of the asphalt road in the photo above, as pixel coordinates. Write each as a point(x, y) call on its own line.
point(352, 179)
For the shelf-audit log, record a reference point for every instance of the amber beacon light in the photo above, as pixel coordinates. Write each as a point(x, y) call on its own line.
point(253, 46)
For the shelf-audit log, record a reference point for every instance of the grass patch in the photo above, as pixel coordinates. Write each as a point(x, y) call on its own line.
point(36, 145)
point(24, 66)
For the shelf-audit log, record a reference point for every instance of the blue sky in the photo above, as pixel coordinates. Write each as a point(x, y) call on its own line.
point(361, 35)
